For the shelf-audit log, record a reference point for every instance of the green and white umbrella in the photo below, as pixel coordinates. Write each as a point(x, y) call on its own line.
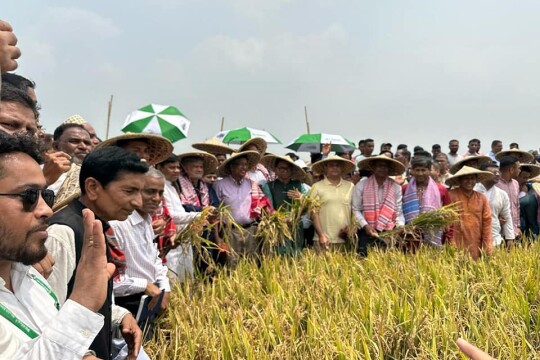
point(241, 135)
point(163, 120)
point(314, 142)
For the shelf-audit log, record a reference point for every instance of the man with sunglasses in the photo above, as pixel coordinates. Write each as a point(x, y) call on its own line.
point(32, 324)
point(111, 181)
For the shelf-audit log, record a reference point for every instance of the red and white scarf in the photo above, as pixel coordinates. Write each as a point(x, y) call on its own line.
point(188, 193)
point(380, 216)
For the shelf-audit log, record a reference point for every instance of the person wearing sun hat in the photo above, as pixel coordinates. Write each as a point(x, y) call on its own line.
point(528, 201)
point(246, 201)
point(333, 219)
point(523, 157)
point(215, 147)
point(196, 195)
point(470, 161)
point(258, 173)
point(287, 186)
point(152, 148)
point(473, 232)
point(502, 227)
point(377, 201)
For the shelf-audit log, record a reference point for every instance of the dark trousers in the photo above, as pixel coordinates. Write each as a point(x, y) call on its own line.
point(365, 242)
point(130, 302)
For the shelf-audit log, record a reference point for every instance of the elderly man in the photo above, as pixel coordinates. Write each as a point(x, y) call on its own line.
point(111, 181)
point(283, 190)
point(246, 200)
point(144, 272)
point(196, 195)
point(180, 259)
point(39, 328)
point(423, 194)
point(473, 233)
point(74, 142)
point(502, 227)
point(333, 219)
point(377, 201)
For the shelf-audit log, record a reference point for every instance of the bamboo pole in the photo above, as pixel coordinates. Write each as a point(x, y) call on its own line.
point(109, 117)
point(222, 123)
point(307, 121)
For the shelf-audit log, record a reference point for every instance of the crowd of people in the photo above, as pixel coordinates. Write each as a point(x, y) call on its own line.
point(88, 226)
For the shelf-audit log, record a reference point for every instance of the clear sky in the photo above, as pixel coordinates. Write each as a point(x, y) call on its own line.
point(415, 72)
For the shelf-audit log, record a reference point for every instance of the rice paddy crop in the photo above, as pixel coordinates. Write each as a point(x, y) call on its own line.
point(390, 305)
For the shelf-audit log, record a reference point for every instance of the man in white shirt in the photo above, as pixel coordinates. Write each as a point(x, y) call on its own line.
point(32, 324)
point(502, 227)
point(179, 259)
point(144, 272)
point(453, 156)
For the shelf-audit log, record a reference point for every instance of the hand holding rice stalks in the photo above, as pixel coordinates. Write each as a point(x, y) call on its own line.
point(429, 222)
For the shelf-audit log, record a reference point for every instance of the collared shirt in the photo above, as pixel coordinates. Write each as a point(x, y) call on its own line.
point(452, 159)
point(174, 205)
point(499, 204)
point(473, 233)
point(335, 212)
point(63, 334)
point(493, 157)
point(512, 189)
point(55, 186)
point(358, 207)
point(135, 237)
point(237, 195)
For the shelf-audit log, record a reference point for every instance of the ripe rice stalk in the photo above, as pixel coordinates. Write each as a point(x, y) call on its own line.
point(305, 205)
point(429, 222)
point(273, 229)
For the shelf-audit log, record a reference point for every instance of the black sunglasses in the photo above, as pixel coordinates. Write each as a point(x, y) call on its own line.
point(30, 198)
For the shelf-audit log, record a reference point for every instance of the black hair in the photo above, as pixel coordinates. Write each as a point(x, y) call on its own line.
point(18, 81)
point(10, 93)
point(402, 146)
point(315, 157)
point(171, 159)
point(485, 166)
point(436, 146)
point(417, 148)
point(107, 163)
point(421, 161)
point(19, 143)
point(59, 131)
point(422, 153)
point(474, 141)
point(292, 156)
point(512, 145)
point(407, 154)
point(361, 142)
point(507, 161)
point(495, 143)
point(368, 140)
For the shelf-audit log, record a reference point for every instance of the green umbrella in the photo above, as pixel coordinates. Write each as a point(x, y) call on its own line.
point(163, 120)
point(313, 143)
point(241, 135)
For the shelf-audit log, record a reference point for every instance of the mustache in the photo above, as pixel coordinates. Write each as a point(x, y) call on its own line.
point(41, 227)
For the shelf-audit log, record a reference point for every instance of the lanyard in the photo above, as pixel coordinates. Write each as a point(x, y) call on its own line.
point(7, 314)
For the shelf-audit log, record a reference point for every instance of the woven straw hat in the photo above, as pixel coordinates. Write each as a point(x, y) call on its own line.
point(463, 162)
point(259, 143)
point(536, 187)
point(347, 166)
point(75, 119)
point(533, 169)
point(159, 148)
point(271, 160)
point(213, 146)
point(210, 162)
point(522, 156)
point(253, 158)
point(396, 168)
point(69, 190)
point(467, 170)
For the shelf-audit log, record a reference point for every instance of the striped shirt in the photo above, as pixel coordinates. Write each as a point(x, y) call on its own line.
point(135, 237)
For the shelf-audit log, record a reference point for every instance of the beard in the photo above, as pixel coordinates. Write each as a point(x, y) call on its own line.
point(27, 252)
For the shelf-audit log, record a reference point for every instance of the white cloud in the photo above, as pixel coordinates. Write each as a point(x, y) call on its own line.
point(75, 23)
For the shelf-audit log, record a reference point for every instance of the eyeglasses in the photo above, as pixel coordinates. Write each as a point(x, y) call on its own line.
point(30, 198)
